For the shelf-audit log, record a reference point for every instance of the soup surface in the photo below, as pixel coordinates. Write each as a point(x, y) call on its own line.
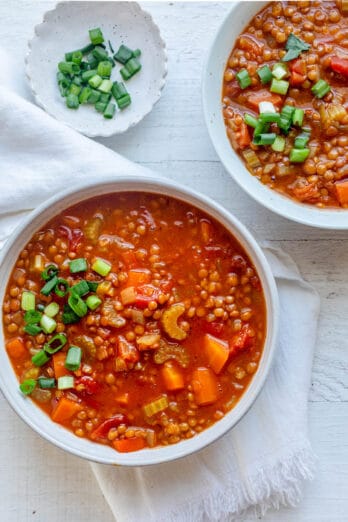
point(285, 99)
point(134, 320)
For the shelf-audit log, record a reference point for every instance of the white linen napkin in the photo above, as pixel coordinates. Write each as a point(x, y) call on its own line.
point(264, 460)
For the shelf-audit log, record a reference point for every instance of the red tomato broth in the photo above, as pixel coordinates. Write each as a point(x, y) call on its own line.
point(322, 179)
point(201, 269)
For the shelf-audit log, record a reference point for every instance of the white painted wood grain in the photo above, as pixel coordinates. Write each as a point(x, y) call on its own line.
point(173, 141)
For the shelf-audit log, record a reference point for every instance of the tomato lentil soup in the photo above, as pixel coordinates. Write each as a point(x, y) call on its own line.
point(134, 320)
point(285, 99)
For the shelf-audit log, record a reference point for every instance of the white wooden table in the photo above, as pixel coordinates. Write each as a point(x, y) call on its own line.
point(173, 141)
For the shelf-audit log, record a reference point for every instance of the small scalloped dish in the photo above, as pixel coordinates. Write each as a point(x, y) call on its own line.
point(65, 29)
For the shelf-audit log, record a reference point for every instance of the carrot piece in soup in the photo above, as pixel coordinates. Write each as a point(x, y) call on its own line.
point(205, 386)
point(59, 365)
point(244, 136)
point(255, 98)
point(138, 276)
point(128, 445)
point(172, 376)
point(65, 409)
point(342, 191)
point(217, 352)
point(15, 348)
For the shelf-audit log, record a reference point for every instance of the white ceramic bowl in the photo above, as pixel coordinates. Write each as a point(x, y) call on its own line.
point(60, 436)
point(239, 16)
point(64, 29)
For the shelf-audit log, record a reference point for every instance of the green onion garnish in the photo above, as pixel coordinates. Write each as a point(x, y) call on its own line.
point(265, 74)
point(27, 386)
point(77, 305)
point(95, 81)
point(279, 86)
point(94, 97)
point(61, 287)
point(96, 36)
point(123, 54)
point(40, 358)
point(321, 88)
point(100, 53)
point(56, 343)
point(298, 155)
point(270, 117)
point(73, 358)
point(279, 71)
point(78, 265)
point(250, 120)
point(32, 329)
point(69, 316)
point(243, 78)
point(46, 382)
point(66, 382)
point(297, 117)
point(123, 102)
point(92, 285)
point(301, 140)
point(264, 139)
point(49, 272)
point(72, 101)
point(85, 94)
point(279, 144)
point(49, 286)
point(101, 267)
point(93, 302)
point(48, 324)
point(105, 86)
point(109, 110)
point(51, 309)
point(118, 90)
point(81, 288)
point(104, 69)
point(28, 301)
point(32, 316)
point(77, 57)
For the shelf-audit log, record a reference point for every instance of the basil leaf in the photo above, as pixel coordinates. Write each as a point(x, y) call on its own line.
point(294, 47)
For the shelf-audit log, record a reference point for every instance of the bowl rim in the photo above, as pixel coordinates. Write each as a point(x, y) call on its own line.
point(212, 72)
point(60, 436)
point(107, 133)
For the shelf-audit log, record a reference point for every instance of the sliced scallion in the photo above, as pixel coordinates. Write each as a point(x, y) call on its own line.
point(243, 78)
point(49, 272)
point(32, 329)
point(297, 117)
point(46, 382)
point(93, 301)
point(264, 139)
point(48, 324)
point(28, 301)
point(110, 110)
point(301, 140)
point(73, 358)
point(265, 74)
point(250, 120)
point(298, 155)
point(77, 305)
point(66, 382)
point(78, 265)
point(32, 316)
point(279, 144)
point(40, 358)
point(96, 36)
point(52, 309)
point(61, 287)
point(321, 88)
point(81, 288)
point(279, 86)
point(56, 343)
point(101, 267)
point(27, 386)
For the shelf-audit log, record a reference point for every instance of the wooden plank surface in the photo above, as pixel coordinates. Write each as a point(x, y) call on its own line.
point(173, 141)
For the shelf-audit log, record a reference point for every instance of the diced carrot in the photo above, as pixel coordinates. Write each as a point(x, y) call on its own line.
point(206, 230)
point(244, 136)
point(15, 348)
point(130, 259)
point(217, 352)
point(342, 191)
point(127, 445)
point(122, 399)
point(299, 67)
point(59, 365)
point(172, 376)
point(205, 386)
point(296, 78)
point(255, 98)
point(65, 409)
point(138, 276)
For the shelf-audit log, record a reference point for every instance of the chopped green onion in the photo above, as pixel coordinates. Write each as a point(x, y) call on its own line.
point(96, 36)
point(87, 75)
point(48, 324)
point(85, 94)
point(301, 140)
point(110, 110)
point(49, 272)
point(46, 382)
point(78, 265)
point(28, 301)
point(100, 54)
point(84, 50)
point(105, 86)
point(265, 74)
point(118, 90)
point(72, 101)
point(133, 66)
point(40, 358)
point(32, 316)
point(261, 127)
point(92, 61)
point(56, 343)
point(126, 75)
point(101, 267)
point(297, 117)
point(100, 106)
point(94, 96)
point(41, 308)
point(320, 89)
point(266, 106)
point(93, 285)
point(61, 288)
point(299, 155)
point(279, 144)
point(279, 71)
point(243, 78)
point(66, 382)
point(264, 139)
point(104, 68)
point(52, 309)
point(73, 358)
point(110, 47)
point(250, 120)
point(270, 117)
point(105, 97)
point(279, 86)
point(69, 68)
point(69, 316)
point(95, 81)
point(136, 53)
point(77, 57)
point(75, 89)
point(27, 386)
point(32, 329)
point(93, 301)
point(81, 288)
point(286, 118)
point(123, 54)
point(123, 102)
point(77, 80)
point(77, 305)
